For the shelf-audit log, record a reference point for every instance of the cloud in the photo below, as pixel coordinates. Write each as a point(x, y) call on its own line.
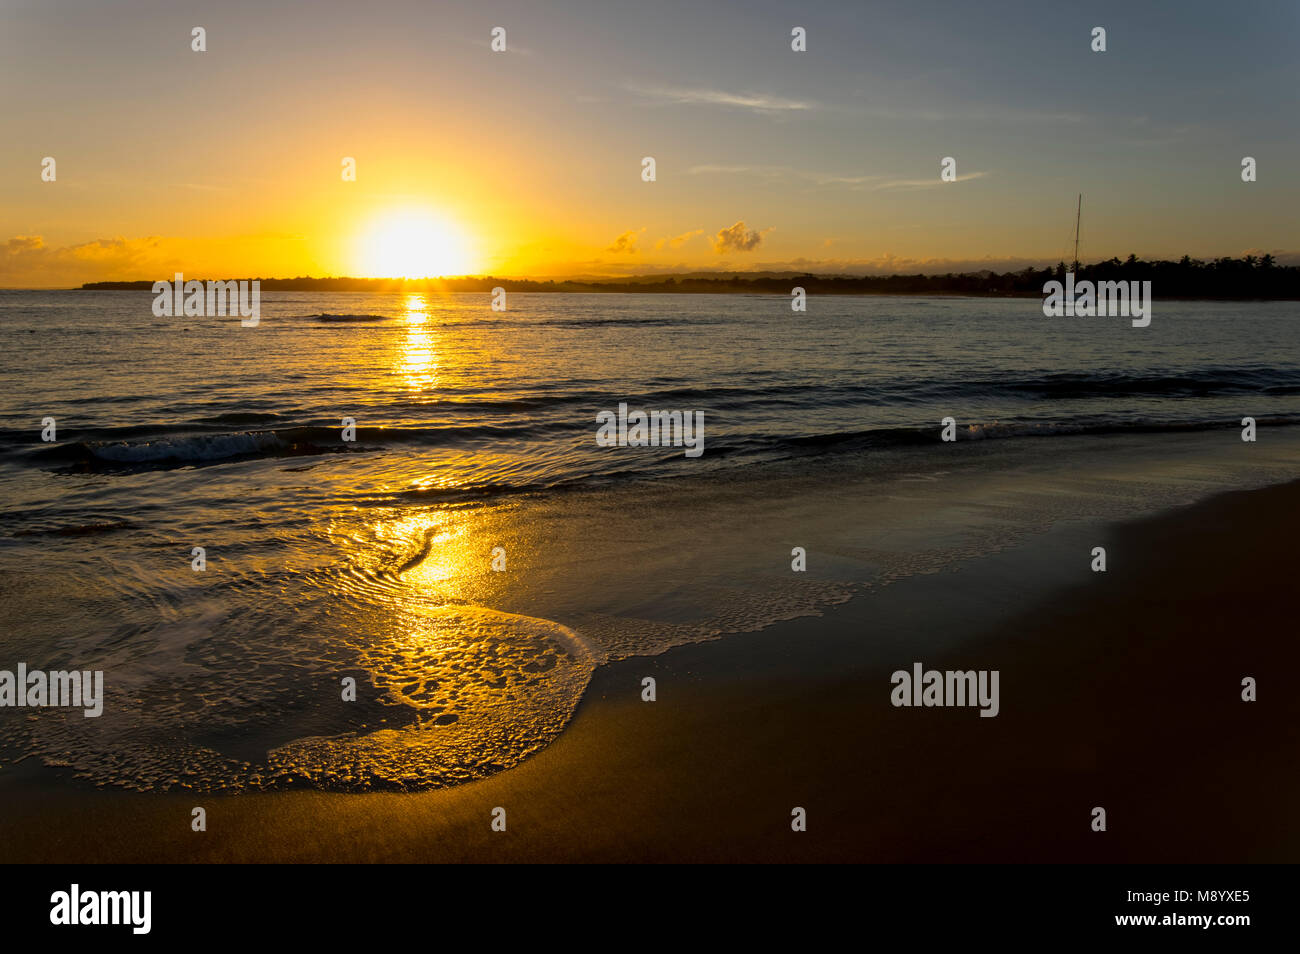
point(678, 241)
point(486, 41)
point(26, 261)
point(890, 264)
point(24, 243)
point(626, 242)
point(737, 238)
point(895, 185)
point(755, 102)
point(873, 183)
point(980, 115)
point(782, 172)
point(1281, 256)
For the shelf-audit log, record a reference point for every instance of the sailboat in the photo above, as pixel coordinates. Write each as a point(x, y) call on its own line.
point(1078, 214)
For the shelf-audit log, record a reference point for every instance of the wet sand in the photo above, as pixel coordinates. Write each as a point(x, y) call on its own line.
point(1121, 690)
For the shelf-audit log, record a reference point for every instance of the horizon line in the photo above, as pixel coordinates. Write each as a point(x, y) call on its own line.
point(666, 277)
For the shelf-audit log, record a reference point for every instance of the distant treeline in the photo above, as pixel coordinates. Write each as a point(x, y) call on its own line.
point(1224, 278)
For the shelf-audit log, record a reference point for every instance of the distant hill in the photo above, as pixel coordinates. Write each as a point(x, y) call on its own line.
point(1225, 278)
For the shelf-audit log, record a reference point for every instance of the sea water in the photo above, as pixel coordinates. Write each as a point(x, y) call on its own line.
point(474, 554)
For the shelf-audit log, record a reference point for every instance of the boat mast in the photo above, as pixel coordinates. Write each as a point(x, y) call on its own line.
point(1077, 215)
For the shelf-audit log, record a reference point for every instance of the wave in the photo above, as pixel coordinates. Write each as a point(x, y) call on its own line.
point(187, 449)
point(76, 529)
point(448, 407)
point(931, 434)
point(349, 318)
point(172, 451)
point(571, 468)
point(1199, 383)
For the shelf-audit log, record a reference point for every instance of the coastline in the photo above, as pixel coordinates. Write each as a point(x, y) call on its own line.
point(590, 289)
point(1102, 698)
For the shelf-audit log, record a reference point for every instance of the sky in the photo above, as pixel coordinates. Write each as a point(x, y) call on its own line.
point(528, 162)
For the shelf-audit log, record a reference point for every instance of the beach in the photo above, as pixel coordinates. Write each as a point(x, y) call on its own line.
point(355, 650)
point(689, 433)
point(1122, 690)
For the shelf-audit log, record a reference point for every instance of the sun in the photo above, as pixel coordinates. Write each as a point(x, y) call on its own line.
point(413, 244)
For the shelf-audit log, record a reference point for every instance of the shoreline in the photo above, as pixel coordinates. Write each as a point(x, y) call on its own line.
point(1025, 295)
point(749, 726)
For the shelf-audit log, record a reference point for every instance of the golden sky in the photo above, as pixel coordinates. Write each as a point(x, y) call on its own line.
point(227, 162)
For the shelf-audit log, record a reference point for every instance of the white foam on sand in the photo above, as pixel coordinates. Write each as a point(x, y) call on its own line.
point(490, 689)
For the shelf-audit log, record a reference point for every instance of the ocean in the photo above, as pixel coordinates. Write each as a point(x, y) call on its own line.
point(470, 558)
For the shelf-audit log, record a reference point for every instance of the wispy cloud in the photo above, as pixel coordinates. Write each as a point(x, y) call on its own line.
point(755, 102)
point(898, 185)
point(981, 115)
point(486, 41)
point(782, 172)
point(626, 243)
point(864, 183)
point(677, 241)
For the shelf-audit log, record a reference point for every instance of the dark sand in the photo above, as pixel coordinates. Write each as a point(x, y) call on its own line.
point(1121, 690)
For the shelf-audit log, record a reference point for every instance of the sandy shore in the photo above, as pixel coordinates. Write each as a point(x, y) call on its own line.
point(1121, 689)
